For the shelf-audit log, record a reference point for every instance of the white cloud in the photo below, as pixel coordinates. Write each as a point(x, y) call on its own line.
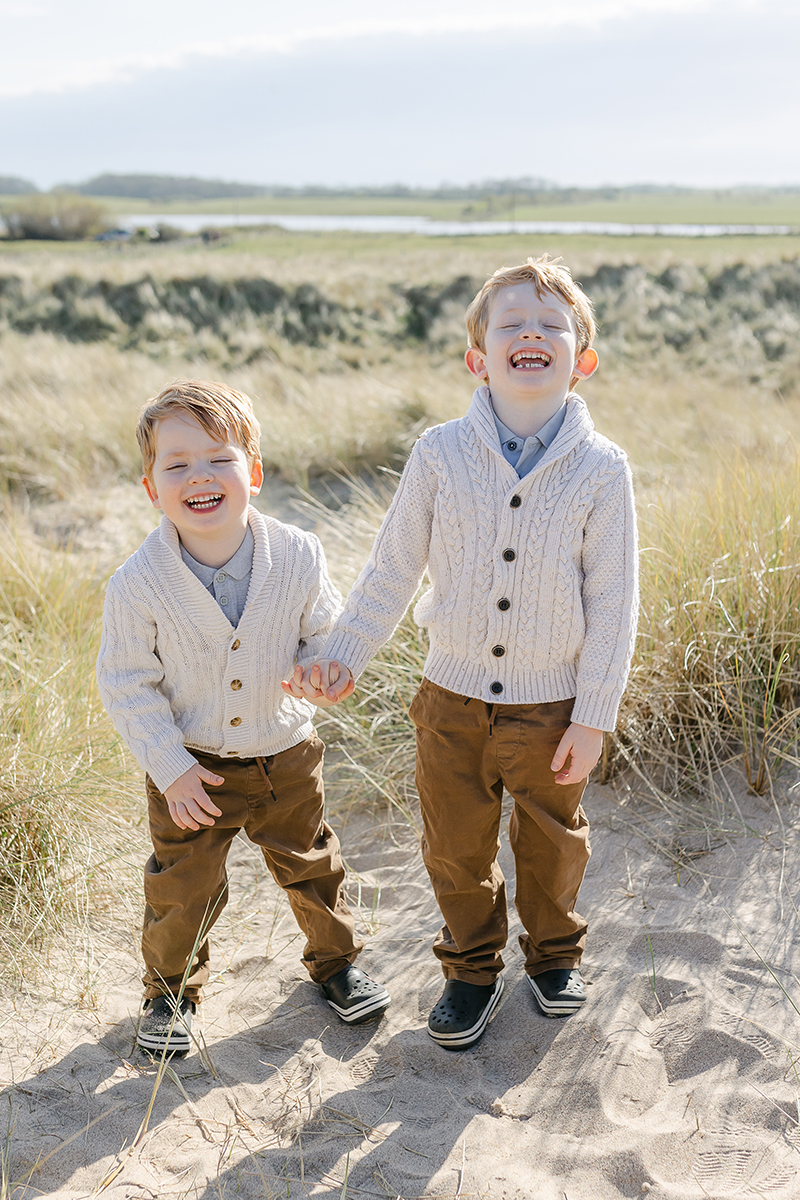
point(53, 57)
point(665, 97)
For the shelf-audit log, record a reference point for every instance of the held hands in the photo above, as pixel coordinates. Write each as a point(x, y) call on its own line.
point(583, 747)
point(189, 806)
point(324, 683)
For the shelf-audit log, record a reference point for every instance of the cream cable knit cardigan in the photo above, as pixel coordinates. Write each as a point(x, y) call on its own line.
point(174, 674)
point(533, 592)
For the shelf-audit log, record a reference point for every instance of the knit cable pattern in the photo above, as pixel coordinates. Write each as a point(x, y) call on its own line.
point(175, 676)
point(563, 556)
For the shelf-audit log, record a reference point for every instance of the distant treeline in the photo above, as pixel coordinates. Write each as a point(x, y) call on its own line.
point(525, 190)
point(12, 185)
point(164, 187)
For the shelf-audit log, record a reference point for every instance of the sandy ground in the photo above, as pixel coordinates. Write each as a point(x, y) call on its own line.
point(675, 1081)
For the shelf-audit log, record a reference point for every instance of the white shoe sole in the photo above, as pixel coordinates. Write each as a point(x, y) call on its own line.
point(178, 1041)
point(465, 1037)
point(554, 1008)
point(359, 1012)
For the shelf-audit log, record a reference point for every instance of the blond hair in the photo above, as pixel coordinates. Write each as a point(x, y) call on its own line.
point(547, 275)
point(224, 414)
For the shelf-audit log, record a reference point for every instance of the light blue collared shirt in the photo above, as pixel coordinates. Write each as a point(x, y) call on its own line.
point(524, 453)
point(229, 583)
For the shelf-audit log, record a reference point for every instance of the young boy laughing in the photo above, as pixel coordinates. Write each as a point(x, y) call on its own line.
point(523, 516)
point(200, 626)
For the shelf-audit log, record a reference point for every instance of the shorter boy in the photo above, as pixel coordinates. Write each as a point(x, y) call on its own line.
point(200, 626)
point(523, 516)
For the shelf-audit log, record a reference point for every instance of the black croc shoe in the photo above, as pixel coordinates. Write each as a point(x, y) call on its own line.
point(558, 993)
point(465, 1009)
point(161, 1028)
point(354, 996)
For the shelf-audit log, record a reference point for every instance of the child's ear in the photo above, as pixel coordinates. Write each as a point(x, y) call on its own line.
point(256, 477)
point(476, 364)
point(151, 492)
point(586, 363)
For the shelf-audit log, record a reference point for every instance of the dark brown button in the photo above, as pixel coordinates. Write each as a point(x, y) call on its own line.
point(236, 684)
point(504, 605)
point(495, 688)
point(236, 645)
point(509, 555)
point(515, 501)
point(236, 721)
point(498, 651)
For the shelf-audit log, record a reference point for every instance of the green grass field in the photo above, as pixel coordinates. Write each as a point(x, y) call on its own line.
point(697, 207)
point(421, 260)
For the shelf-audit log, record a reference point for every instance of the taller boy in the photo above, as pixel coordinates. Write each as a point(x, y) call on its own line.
point(524, 517)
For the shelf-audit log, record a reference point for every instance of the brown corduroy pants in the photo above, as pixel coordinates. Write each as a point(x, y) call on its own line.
point(467, 752)
point(278, 801)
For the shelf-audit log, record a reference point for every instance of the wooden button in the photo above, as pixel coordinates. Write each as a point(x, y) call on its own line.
point(236, 721)
point(236, 684)
point(236, 645)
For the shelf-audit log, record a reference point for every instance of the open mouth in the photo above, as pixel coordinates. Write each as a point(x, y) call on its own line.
point(530, 360)
point(204, 503)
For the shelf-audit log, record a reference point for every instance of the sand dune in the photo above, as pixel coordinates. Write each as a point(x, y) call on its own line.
point(676, 1081)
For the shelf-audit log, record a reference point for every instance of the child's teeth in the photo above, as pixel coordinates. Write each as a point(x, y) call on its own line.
point(208, 503)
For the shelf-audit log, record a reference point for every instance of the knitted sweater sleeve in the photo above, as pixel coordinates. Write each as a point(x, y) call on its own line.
point(323, 605)
point(394, 570)
point(129, 673)
point(610, 601)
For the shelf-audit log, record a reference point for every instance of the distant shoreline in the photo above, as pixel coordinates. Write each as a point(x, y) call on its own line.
point(430, 227)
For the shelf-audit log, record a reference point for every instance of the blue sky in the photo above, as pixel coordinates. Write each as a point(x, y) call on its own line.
point(345, 91)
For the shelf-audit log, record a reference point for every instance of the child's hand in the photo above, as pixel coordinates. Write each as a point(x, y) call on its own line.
point(583, 747)
point(324, 683)
point(189, 806)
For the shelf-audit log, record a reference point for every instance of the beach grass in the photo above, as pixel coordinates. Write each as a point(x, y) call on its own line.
point(711, 427)
point(66, 807)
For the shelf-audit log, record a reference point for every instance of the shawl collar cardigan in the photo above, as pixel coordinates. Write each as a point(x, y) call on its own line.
point(174, 674)
point(533, 594)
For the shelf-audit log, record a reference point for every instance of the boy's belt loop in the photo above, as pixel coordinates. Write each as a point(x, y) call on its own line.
point(262, 763)
point(466, 702)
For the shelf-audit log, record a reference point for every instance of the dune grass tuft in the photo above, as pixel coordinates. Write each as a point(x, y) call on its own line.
point(63, 790)
point(716, 680)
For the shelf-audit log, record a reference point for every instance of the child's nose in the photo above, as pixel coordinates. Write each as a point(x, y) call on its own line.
point(201, 472)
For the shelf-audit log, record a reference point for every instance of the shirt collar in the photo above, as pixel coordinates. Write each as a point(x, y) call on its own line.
point(545, 434)
point(238, 565)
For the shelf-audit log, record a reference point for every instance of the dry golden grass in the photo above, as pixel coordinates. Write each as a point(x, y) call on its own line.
point(715, 463)
point(65, 799)
point(361, 265)
point(69, 410)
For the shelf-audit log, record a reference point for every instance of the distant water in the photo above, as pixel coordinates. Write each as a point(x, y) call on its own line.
point(194, 222)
